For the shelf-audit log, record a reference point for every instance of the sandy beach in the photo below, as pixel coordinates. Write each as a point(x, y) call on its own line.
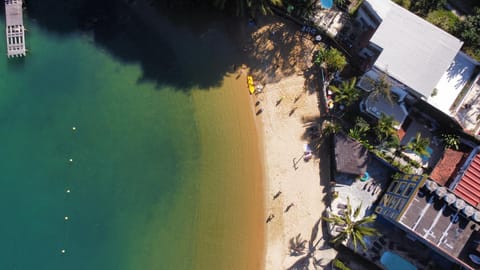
point(278, 56)
point(294, 193)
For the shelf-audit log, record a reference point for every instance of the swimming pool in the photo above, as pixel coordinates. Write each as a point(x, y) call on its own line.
point(327, 3)
point(393, 261)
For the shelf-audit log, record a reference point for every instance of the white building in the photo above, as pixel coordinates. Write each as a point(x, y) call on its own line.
point(419, 57)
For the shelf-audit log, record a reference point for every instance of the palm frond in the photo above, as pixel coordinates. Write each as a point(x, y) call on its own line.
point(357, 211)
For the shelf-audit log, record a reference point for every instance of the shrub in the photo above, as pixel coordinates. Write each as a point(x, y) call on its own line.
point(444, 19)
point(404, 3)
point(337, 264)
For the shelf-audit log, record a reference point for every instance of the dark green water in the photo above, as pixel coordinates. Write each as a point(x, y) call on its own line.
point(134, 180)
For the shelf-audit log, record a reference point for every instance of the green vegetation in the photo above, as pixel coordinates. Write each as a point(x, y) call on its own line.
point(353, 9)
point(469, 32)
point(354, 230)
point(385, 128)
point(451, 141)
point(419, 145)
point(423, 7)
point(337, 264)
point(381, 87)
point(298, 8)
point(444, 19)
point(360, 131)
point(330, 128)
point(331, 59)
point(347, 93)
point(404, 3)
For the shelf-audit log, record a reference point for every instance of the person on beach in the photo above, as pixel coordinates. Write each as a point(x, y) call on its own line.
point(270, 217)
point(276, 195)
point(288, 207)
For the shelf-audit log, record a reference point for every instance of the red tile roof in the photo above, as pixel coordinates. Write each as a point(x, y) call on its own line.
point(447, 166)
point(469, 186)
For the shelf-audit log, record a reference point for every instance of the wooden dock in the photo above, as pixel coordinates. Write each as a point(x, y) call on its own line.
point(15, 31)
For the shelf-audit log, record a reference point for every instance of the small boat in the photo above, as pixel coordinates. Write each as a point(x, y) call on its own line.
point(251, 86)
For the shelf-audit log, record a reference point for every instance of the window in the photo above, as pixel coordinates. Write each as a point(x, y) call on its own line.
point(401, 188)
point(393, 186)
point(409, 190)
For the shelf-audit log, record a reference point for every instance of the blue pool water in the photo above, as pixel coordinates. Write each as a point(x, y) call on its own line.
point(392, 261)
point(426, 158)
point(327, 3)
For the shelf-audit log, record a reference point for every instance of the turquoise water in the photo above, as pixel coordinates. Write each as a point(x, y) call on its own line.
point(393, 261)
point(134, 181)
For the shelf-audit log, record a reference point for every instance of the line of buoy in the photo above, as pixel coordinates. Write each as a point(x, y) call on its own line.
point(66, 218)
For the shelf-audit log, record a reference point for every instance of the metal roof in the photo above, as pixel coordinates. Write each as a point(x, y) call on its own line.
point(414, 51)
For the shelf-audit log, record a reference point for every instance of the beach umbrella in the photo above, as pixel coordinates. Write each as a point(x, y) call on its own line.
point(441, 191)
point(450, 198)
point(459, 204)
point(476, 216)
point(430, 185)
point(468, 211)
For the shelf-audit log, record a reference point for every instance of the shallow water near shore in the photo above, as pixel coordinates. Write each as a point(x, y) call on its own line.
point(159, 178)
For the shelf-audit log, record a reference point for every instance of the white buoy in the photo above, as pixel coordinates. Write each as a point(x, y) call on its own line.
point(70, 160)
point(68, 190)
point(66, 217)
point(74, 128)
point(63, 251)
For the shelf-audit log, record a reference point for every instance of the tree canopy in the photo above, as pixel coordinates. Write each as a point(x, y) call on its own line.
point(469, 32)
point(444, 19)
point(332, 59)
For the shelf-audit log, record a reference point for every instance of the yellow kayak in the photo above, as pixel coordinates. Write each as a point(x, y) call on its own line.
point(251, 87)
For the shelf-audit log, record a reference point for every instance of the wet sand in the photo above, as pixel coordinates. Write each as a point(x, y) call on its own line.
point(233, 170)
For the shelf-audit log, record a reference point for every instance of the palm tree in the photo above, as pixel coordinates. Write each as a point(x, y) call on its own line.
point(385, 127)
point(360, 130)
point(381, 87)
point(347, 93)
point(419, 145)
point(354, 230)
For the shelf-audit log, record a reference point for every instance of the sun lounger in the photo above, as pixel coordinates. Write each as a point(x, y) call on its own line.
point(341, 206)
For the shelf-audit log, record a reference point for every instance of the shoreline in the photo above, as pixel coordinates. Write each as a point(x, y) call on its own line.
point(293, 192)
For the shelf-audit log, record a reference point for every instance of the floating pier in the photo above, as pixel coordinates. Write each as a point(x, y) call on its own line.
point(15, 31)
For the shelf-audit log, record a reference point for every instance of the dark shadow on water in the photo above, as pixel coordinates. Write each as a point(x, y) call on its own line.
point(194, 51)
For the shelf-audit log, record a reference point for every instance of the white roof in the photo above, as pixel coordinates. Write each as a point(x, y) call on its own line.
point(414, 52)
point(452, 82)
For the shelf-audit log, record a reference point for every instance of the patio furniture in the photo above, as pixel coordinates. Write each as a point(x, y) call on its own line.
point(459, 204)
point(441, 191)
point(476, 216)
point(450, 198)
point(468, 211)
point(341, 206)
point(431, 185)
